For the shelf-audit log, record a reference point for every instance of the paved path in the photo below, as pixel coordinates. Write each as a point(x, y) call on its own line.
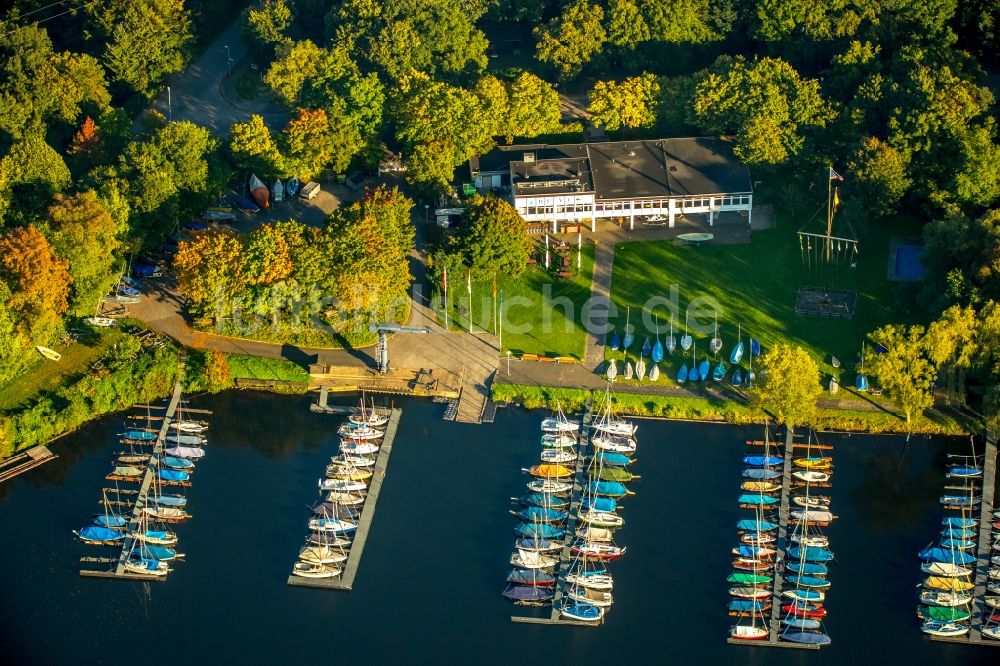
point(197, 94)
point(600, 293)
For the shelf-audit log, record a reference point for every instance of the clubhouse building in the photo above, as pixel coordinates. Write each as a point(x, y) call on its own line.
point(650, 182)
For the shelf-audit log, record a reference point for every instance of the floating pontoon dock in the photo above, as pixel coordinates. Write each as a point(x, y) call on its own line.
point(22, 462)
point(345, 581)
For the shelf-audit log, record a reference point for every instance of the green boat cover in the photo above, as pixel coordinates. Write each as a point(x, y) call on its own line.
point(947, 613)
point(748, 578)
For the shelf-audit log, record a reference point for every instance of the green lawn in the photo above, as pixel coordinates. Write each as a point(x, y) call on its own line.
point(255, 367)
point(542, 314)
point(754, 286)
point(47, 375)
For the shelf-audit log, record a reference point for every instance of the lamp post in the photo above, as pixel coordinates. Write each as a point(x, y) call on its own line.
point(427, 214)
point(229, 62)
point(170, 110)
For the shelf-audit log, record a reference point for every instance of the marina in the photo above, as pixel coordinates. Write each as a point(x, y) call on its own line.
point(960, 605)
point(156, 458)
point(345, 558)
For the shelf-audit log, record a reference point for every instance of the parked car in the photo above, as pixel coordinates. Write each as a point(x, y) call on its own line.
point(309, 191)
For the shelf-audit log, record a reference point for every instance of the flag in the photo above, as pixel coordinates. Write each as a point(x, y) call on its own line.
point(494, 286)
point(836, 198)
point(468, 283)
point(444, 279)
point(835, 176)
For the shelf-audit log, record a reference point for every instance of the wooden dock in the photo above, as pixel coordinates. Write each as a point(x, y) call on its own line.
point(565, 556)
point(119, 572)
point(984, 552)
point(345, 582)
point(22, 462)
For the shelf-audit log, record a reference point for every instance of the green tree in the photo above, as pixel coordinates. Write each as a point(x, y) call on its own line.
point(629, 104)
point(173, 160)
point(904, 370)
point(879, 170)
point(680, 21)
point(977, 176)
point(254, 148)
point(30, 174)
point(82, 231)
point(150, 39)
point(970, 247)
point(269, 25)
point(626, 24)
point(571, 40)
point(766, 104)
point(952, 345)
point(788, 384)
point(266, 258)
point(494, 241)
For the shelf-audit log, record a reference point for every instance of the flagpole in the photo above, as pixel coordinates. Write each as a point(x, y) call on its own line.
point(468, 285)
point(494, 304)
point(446, 299)
point(500, 329)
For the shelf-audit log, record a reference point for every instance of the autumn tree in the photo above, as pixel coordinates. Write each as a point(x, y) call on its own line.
point(788, 384)
point(494, 240)
point(36, 284)
point(210, 273)
point(217, 375)
point(904, 370)
point(82, 232)
point(312, 143)
point(572, 39)
point(765, 103)
point(370, 241)
point(265, 259)
point(880, 172)
point(253, 146)
point(628, 104)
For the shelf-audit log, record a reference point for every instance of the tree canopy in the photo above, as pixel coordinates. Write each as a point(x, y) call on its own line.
point(788, 384)
point(493, 240)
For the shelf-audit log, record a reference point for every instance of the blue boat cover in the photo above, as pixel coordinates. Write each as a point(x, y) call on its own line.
point(737, 353)
point(754, 347)
point(761, 474)
point(609, 488)
point(611, 458)
point(616, 341)
point(156, 534)
point(602, 504)
point(745, 605)
point(808, 581)
point(584, 610)
point(154, 552)
point(757, 499)
point(541, 513)
point(172, 475)
point(965, 471)
point(110, 521)
point(751, 525)
point(168, 500)
point(812, 554)
point(809, 637)
point(720, 372)
point(531, 577)
point(539, 530)
point(762, 461)
point(627, 340)
point(737, 377)
point(657, 351)
point(98, 533)
point(946, 555)
point(809, 568)
point(861, 383)
point(801, 622)
point(682, 374)
point(544, 499)
point(703, 369)
point(748, 551)
point(646, 347)
point(143, 435)
point(807, 595)
point(174, 461)
point(959, 522)
point(964, 544)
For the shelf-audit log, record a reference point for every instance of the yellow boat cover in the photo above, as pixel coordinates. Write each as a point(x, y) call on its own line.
point(551, 471)
point(949, 584)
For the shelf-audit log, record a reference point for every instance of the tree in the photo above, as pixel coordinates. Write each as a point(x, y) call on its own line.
point(627, 105)
point(788, 384)
point(952, 344)
point(525, 107)
point(217, 375)
point(494, 239)
point(626, 24)
point(680, 21)
point(369, 243)
point(312, 142)
point(968, 251)
point(150, 39)
point(269, 25)
point(30, 174)
point(83, 232)
point(569, 42)
point(254, 148)
point(86, 142)
point(266, 259)
point(294, 65)
point(765, 103)
point(210, 272)
point(36, 283)
point(904, 370)
point(879, 170)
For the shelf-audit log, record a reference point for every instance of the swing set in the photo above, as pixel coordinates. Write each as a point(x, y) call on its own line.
point(826, 258)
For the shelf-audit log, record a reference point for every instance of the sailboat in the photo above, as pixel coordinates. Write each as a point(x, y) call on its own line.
point(640, 369)
point(654, 373)
point(754, 347)
point(628, 337)
point(278, 191)
point(861, 381)
point(686, 339)
point(97, 320)
point(693, 370)
point(671, 340)
point(716, 343)
point(737, 354)
point(750, 377)
point(647, 347)
point(719, 372)
point(628, 368)
point(703, 369)
point(797, 627)
point(657, 353)
point(615, 342)
point(612, 370)
point(259, 191)
point(760, 531)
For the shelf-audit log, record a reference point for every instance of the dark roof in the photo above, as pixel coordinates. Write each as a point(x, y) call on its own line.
point(634, 169)
point(551, 176)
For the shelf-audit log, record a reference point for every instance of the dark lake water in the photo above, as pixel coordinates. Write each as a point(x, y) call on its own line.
point(428, 589)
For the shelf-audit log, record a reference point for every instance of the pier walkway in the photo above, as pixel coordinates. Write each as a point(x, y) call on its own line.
point(984, 552)
point(345, 581)
point(119, 571)
point(22, 462)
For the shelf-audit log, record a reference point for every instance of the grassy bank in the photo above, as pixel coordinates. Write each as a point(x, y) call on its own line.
point(706, 409)
point(86, 395)
point(212, 372)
